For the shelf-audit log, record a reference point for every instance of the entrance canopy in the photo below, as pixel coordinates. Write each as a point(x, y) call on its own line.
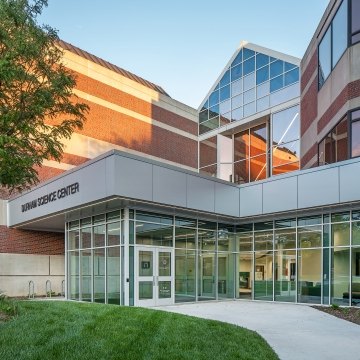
point(118, 179)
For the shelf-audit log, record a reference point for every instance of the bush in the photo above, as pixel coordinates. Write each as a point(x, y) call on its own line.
point(7, 306)
point(335, 306)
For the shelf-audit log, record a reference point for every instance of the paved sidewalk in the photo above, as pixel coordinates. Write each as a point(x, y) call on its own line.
point(295, 332)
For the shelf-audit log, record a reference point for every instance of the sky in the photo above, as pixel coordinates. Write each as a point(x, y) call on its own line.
point(182, 45)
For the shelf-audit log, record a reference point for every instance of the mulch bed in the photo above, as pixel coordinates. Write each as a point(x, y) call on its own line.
point(350, 314)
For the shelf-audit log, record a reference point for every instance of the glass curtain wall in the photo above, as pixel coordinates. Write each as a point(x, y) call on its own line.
point(93, 247)
point(185, 259)
point(314, 259)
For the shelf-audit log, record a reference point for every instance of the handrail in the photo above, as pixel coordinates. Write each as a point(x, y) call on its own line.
point(31, 289)
point(48, 288)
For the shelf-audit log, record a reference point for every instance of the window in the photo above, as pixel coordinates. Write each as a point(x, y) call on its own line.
point(355, 133)
point(355, 21)
point(333, 44)
point(334, 147)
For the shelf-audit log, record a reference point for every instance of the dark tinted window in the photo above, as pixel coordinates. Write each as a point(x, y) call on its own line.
point(262, 75)
point(261, 60)
point(340, 31)
point(225, 79)
point(276, 68)
point(325, 57)
point(249, 66)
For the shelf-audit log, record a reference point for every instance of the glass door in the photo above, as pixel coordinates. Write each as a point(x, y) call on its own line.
point(154, 280)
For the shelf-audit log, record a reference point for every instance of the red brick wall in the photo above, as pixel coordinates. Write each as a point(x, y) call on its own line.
point(308, 107)
point(120, 98)
point(31, 242)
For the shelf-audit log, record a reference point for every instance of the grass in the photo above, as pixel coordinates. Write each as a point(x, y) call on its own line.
point(66, 330)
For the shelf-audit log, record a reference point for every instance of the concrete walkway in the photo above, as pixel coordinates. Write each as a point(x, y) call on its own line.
point(295, 332)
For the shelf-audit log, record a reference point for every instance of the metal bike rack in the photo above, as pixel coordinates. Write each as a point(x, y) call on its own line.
point(31, 290)
point(63, 288)
point(48, 288)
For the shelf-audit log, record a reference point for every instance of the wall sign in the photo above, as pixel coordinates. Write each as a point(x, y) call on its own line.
point(51, 197)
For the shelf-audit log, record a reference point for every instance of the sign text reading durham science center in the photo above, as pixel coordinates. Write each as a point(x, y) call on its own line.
point(51, 197)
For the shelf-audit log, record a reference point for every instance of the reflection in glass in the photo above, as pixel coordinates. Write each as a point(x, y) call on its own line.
point(249, 66)
point(113, 275)
point(309, 276)
point(185, 275)
point(241, 172)
point(258, 168)
point(241, 145)
point(236, 72)
point(164, 290)
point(285, 153)
point(355, 139)
point(285, 238)
point(113, 234)
point(286, 125)
point(73, 239)
point(206, 283)
point(263, 276)
point(263, 240)
point(262, 75)
point(285, 275)
point(249, 109)
point(261, 60)
point(86, 267)
point(325, 57)
point(340, 272)
point(209, 170)
point(154, 234)
point(99, 236)
point(258, 140)
point(73, 285)
point(185, 238)
point(245, 241)
point(292, 77)
point(339, 33)
point(99, 275)
point(276, 68)
point(309, 236)
point(356, 233)
point(206, 239)
point(85, 238)
point(340, 234)
point(355, 276)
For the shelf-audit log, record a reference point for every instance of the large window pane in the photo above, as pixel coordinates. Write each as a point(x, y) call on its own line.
point(286, 125)
point(263, 282)
point(113, 234)
point(99, 236)
point(325, 57)
point(340, 234)
point(225, 275)
point(341, 138)
point(285, 153)
point(245, 275)
point(154, 234)
point(73, 239)
point(185, 238)
point(309, 276)
point(263, 240)
point(309, 236)
point(355, 276)
point(355, 19)
point(113, 275)
point(285, 239)
point(207, 274)
point(355, 139)
point(258, 168)
point(73, 265)
point(258, 140)
point(285, 275)
point(339, 33)
point(245, 241)
point(86, 267)
point(340, 271)
point(99, 275)
point(185, 275)
point(241, 145)
point(249, 66)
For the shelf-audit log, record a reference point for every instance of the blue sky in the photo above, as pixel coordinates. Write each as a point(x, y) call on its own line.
point(182, 45)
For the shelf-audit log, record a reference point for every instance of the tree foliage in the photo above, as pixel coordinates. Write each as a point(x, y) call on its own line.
point(38, 109)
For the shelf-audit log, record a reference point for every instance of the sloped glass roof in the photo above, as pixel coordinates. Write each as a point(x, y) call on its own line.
point(253, 82)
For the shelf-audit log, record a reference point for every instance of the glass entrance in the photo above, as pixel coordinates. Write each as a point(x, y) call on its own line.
point(154, 280)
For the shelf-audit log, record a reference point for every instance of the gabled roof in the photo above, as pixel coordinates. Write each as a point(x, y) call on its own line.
point(259, 49)
point(112, 67)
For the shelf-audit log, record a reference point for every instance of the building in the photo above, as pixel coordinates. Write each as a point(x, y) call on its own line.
point(277, 220)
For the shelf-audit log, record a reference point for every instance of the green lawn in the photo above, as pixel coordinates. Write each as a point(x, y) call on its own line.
point(67, 330)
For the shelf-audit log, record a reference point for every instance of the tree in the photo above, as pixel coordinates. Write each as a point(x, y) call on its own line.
point(38, 109)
